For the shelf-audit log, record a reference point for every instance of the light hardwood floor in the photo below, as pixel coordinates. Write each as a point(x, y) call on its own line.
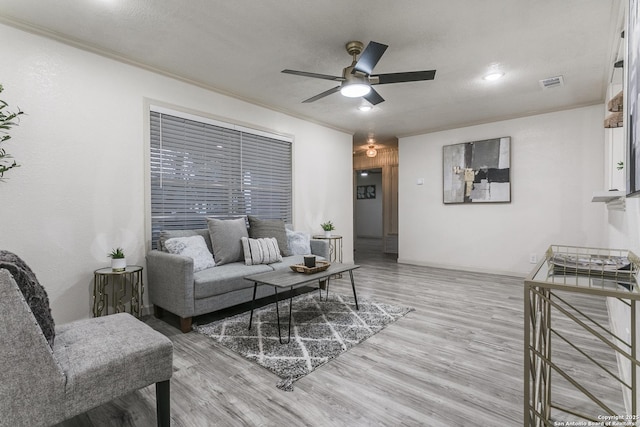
point(457, 360)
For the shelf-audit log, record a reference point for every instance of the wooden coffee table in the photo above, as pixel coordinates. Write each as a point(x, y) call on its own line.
point(290, 279)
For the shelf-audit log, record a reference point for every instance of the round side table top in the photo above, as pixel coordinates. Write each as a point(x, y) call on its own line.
point(129, 269)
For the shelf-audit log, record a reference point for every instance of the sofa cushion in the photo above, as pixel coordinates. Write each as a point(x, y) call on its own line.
point(169, 234)
point(33, 293)
point(299, 242)
point(225, 238)
point(261, 228)
point(194, 247)
point(225, 278)
point(260, 251)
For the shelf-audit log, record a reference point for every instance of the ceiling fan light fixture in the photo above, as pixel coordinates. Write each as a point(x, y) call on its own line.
point(355, 89)
point(494, 76)
point(371, 151)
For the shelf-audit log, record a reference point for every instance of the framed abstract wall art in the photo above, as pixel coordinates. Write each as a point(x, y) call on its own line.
point(477, 171)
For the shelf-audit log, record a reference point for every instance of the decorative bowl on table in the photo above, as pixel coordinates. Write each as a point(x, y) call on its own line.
point(301, 268)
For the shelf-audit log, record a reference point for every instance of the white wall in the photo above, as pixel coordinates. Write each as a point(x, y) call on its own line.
point(556, 164)
point(80, 190)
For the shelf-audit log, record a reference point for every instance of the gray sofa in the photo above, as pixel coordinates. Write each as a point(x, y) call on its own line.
point(173, 285)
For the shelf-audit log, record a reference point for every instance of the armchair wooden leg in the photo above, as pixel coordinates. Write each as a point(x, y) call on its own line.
point(158, 311)
point(163, 405)
point(185, 324)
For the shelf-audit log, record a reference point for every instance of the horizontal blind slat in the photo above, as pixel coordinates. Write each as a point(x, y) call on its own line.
point(199, 169)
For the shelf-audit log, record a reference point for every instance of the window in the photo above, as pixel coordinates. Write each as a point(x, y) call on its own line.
point(201, 168)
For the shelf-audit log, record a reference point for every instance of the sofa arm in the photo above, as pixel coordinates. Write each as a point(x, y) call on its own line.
point(321, 248)
point(170, 282)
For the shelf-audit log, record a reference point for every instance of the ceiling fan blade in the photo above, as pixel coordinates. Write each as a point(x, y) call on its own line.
point(322, 95)
point(370, 57)
point(373, 97)
point(314, 75)
point(410, 76)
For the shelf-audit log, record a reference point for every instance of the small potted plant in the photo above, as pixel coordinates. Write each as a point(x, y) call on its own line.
point(118, 261)
point(328, 228)
point(7, 121)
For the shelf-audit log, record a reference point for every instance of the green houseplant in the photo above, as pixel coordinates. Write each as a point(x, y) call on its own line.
point(8, 119)
point(118, 260)
point(328, 228)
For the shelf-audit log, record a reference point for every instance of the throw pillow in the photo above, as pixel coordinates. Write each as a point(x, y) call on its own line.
point(33, 293)
point(299, 242)
point(225, 239)
point(261, 251)
point(193, 247)
point(261, 228)
point(170, 234)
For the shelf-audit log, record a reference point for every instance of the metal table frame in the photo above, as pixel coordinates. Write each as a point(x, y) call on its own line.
point(118, 281)
point(545, 292)
point(290, 279)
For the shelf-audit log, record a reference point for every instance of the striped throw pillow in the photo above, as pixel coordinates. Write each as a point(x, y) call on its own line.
point(260, 251)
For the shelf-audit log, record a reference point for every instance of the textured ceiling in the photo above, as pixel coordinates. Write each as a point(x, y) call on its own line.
point(239, 48)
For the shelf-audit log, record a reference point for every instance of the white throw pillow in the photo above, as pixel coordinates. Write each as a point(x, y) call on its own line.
point(260, 251)
point(194, 247)
point(299, 242)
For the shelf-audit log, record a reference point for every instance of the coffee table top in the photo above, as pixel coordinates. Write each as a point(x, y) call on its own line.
point(286, 277)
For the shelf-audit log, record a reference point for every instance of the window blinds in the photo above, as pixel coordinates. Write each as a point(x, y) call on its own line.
point(201, 168)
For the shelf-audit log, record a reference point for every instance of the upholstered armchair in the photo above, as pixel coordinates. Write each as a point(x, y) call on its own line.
point(91, 362)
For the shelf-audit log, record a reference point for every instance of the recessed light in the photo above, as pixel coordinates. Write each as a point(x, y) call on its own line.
point(365, 107)
point(493, 76)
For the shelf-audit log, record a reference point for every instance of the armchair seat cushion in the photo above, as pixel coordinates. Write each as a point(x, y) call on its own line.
point(118, 351)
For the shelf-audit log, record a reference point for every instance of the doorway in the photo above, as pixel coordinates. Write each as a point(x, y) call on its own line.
point(371, 198)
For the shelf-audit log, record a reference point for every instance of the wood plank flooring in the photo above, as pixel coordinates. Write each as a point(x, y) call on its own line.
point(457, 360)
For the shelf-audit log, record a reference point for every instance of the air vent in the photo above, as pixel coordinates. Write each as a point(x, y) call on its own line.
point(552, 82)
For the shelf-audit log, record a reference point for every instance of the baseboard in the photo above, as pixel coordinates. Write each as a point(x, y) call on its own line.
point(463, 268)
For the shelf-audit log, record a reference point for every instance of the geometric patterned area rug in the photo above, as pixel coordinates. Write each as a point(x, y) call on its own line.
point(320, 331)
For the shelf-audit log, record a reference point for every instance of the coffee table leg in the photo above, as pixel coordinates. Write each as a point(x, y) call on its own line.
point(278, 316)
point(253, 301)
point(327, 286)
point(290, 312)
point(353, 286)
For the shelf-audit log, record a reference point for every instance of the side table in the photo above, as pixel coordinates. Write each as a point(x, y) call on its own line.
point(335, 248)
point(118, 280)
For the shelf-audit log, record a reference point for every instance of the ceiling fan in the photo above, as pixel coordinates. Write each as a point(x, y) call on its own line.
point(356, 80)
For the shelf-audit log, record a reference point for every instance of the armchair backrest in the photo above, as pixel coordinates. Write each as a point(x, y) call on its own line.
point(31, 380)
